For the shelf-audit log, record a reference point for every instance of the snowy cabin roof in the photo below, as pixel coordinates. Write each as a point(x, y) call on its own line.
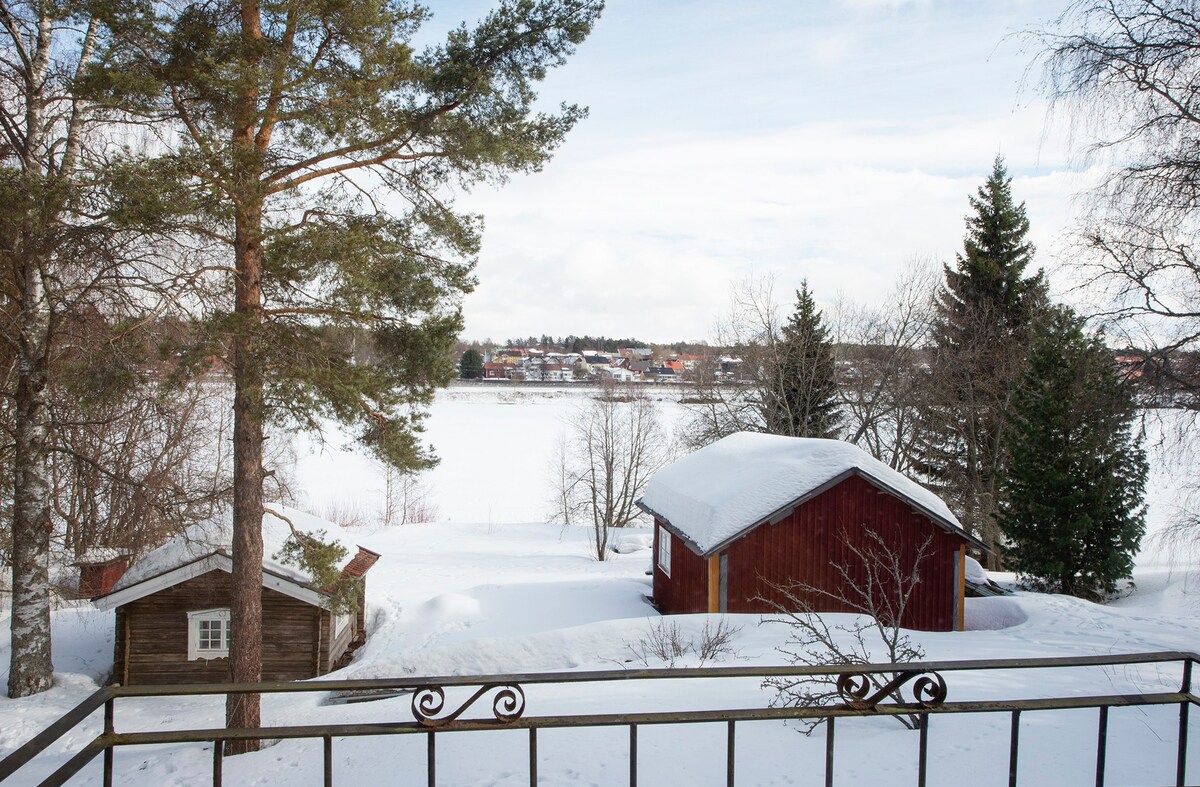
point(209, 545)
point(728, 488)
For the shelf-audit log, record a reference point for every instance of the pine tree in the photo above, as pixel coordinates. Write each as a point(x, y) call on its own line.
point(800, 394)
point(321, 148)
point(1071, 506)
point(980, 337)
point(470, 366)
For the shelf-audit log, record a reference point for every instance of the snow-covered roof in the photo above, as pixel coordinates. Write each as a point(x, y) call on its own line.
point(731, 486)
point(208, 545)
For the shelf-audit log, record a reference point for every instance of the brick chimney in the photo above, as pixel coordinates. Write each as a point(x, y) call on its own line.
point(99, 572)
point(358, 566)
point(360, 563)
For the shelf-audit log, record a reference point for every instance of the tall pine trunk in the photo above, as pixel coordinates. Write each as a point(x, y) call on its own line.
point(31, 670)
point(245, 652)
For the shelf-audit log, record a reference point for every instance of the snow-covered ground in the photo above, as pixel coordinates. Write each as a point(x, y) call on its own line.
point(487, 592)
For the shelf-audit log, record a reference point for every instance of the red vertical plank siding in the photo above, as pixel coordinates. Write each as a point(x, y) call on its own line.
point(686, 589)
point(809, 545)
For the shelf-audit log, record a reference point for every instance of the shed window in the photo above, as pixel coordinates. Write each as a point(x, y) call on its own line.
point(664, 550)
point(208, 634)
point(339, 624)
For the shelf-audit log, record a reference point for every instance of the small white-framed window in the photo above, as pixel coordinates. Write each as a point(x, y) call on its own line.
point(339, 624)
point(208, 634)
point(664, 550)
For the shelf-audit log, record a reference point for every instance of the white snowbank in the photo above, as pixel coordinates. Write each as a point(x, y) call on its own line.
point(217, 534)
point(722, 489)
point(992, 614)
point(975, 572)
point(634, 543)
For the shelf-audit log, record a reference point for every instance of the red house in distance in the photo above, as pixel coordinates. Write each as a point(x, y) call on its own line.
point(752, 513)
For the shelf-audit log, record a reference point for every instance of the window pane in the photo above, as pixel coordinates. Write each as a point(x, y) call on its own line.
point(212, 634)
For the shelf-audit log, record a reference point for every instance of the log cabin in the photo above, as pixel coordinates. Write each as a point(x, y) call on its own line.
point(762, 523)
point(172, 613)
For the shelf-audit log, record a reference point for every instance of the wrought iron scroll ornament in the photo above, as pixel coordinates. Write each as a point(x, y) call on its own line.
point(508, 703)
point(928, 690)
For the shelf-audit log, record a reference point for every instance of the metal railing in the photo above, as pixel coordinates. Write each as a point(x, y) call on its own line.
point(865, 690)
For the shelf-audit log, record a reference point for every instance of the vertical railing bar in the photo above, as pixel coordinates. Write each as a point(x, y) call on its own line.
point(922, 757)
point(533, 757)
point(1181, 758)
point(327, 747)
point(430, 761)
point(633, 765)
point(218, 753)
point(1101, 745)
point(829, 752)
point(729, 754)
point(109, 729)
point(1012, 748)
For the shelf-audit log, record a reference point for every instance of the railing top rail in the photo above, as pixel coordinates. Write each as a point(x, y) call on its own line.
point(640, 718)
point(598, 676)
point(38, 743)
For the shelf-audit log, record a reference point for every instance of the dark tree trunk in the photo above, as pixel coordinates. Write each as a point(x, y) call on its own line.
point(245, 653)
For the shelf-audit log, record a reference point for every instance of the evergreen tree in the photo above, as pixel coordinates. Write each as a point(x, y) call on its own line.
point(800, 392)
point(1071, 507)
point(470, 366)
point(317, 144)
point(980, 337)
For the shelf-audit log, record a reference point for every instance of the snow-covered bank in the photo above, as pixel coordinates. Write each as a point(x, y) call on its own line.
point(497, 444)
point(479, 598)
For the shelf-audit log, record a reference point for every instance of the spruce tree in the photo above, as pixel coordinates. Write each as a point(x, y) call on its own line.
point(800, 394)
point(470, 366)
point(980, 337)
point(1071, 506)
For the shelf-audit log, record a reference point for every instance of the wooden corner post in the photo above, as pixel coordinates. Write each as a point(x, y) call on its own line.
point(714, 583)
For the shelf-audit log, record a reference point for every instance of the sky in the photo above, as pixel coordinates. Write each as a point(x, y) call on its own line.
point(834, 142)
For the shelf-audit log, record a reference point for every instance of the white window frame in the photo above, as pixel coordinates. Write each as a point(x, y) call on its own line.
point(664, 550)
point(340, 622)
point(198, 617)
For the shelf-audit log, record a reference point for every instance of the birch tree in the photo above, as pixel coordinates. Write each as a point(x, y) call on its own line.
point(44, 242)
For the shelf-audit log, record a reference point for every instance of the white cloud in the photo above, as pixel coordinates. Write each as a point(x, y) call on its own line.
point(647, 242)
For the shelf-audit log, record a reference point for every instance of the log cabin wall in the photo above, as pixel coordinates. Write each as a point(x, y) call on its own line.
point(819, 535)
point(686, 589)
point(152, 635)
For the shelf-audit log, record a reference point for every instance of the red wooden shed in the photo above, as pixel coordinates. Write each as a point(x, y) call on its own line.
point(753, 513)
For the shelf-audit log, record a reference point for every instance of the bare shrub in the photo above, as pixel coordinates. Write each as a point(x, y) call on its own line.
point(345, 513)
point(716, 642)
point(875, 585)
point(664, 642)
point(667, 643)
point(406, 500)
